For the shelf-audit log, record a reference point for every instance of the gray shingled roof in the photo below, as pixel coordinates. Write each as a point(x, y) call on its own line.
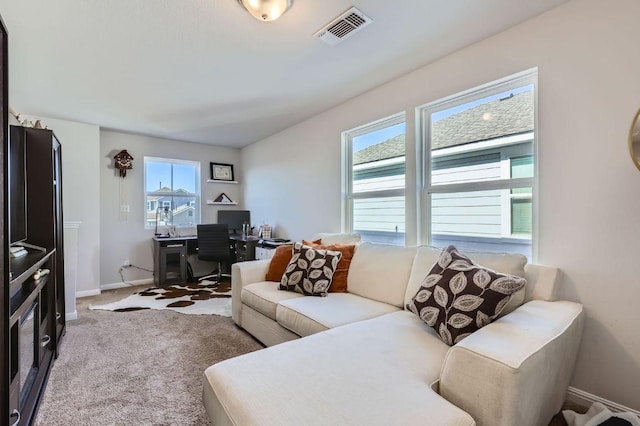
point(509, 116)
point(390, 148)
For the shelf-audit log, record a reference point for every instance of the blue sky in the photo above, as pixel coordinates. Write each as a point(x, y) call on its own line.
point(361, 142)
point(447, 112)
point(159, 174)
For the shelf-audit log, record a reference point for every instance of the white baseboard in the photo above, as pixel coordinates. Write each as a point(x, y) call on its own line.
point(70, 316)
point(586, 399)
point(120, 284)
point(87, 293)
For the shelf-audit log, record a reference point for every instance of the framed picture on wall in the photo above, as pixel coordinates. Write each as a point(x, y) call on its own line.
point(221, 171)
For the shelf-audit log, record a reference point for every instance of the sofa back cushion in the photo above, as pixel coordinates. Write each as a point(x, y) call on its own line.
point(512, 264)
point(542, 283)
point(425, 257)
point(337, 238)
point(381, 272)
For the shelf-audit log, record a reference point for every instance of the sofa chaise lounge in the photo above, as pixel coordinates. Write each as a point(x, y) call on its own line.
point(360, 358)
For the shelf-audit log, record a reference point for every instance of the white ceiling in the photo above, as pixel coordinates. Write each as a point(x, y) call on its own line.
point(207, 71)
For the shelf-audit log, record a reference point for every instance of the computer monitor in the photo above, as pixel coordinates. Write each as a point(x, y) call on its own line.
point(235, 219)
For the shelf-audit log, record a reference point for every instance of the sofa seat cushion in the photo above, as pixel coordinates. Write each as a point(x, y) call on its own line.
point(309, 315)
point(264, 297)
point(374, 372)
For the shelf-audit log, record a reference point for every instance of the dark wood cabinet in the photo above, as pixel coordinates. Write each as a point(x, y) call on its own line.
point(170, 261)
point(31, 342)
point(5, 331)
point(44, 206)
point(34, 309)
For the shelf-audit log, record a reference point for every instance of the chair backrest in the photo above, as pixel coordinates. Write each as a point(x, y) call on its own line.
point(213, 242)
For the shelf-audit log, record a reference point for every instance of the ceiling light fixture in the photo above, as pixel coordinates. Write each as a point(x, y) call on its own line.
point(266, 10)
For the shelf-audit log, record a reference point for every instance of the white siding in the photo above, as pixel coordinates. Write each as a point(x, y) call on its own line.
point(379, 214)
point(467, 213)
point(460, 174)
point(379, 183)
point(476, 213)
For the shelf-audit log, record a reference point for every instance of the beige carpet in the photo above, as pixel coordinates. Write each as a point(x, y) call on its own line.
point(136, 368)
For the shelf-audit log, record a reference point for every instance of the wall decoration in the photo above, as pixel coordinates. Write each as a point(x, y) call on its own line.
point(223, 198)
point(124, 162)
point(634, 140)
point(221, 171)
point(25, 122)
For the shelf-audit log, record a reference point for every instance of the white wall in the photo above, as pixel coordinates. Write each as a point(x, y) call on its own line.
point(80, 195)
point(124, 236)
point(588, 204)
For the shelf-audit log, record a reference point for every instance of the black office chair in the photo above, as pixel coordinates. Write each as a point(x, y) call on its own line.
point(213, 245)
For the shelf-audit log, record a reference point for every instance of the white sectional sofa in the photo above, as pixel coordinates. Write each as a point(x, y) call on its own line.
point(364, 360)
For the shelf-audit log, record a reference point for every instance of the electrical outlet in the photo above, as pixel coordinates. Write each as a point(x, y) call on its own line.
point(124, 208)
point(126, 263)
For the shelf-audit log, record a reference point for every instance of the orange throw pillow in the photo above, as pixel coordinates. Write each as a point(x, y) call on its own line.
point(280, 261)
point(339, 283)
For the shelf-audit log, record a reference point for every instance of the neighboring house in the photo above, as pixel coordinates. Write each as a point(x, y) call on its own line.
point(379, 167)
point(490, 141)
point(182, 208)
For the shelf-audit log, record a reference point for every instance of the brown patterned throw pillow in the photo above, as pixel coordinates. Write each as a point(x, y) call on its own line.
point(339, 284)
point(280, 261)
point(310, 270)
point(458, 297)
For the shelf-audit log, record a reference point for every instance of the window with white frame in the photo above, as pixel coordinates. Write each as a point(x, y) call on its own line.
point(172, 192)
point(478, 168)
point(374, 180)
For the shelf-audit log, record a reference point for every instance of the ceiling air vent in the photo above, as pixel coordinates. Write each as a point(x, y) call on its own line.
point(343, 27)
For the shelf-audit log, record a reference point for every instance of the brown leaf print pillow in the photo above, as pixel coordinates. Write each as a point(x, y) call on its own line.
point(458, 297)
point(310, 270)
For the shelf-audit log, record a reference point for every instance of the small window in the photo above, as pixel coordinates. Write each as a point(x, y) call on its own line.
point(374, 181)
point(172, 192)
point(478, 168)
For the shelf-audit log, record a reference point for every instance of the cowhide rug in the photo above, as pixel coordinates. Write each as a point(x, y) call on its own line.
point(192, 298)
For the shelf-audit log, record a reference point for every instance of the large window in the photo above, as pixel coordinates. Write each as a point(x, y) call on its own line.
point(172, 192)
point(478, 168)
point(374, 181)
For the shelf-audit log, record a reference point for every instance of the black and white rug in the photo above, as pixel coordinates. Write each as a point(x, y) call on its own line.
point(205, 298)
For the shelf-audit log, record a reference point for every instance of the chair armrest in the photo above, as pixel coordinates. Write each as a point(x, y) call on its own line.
point(242, 274)
point(516, 370)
